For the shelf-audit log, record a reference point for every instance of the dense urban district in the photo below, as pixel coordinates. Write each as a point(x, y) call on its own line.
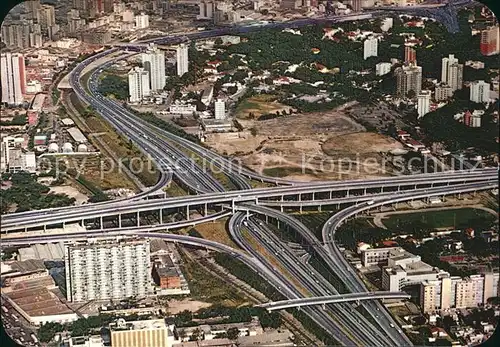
point(249, 173)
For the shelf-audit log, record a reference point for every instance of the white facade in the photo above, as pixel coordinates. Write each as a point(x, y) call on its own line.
point(480, 92)
point(370, 48)
point(138, 84)
point(182, 59)
point(107, 270)
point(142, 21)
point(452, 72)
point(206, 10)
point(12, 78)
point(382, 69)
point(154, 62)
point(220, 109)
point(182, 109)
point(128, 16)
point(424, 103)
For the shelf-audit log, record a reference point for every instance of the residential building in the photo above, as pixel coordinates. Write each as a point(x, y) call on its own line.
point(290, 4)
point(142, 21)
point(31, 7)
point(424, 103)
point(146, 333)
point(370, 48)
point(443, 92)
point(128, 16)
point(356, 5)
point(475, 119)
point(408, 78)
point(47, 17)
point(220, 109)
point(455, 292)
point(107, 270)
point(207, 9)
point(138, 84)
point(480, 92)
point(490, 41)
point(153, 61)
point(182, 59)
point(410, 55)
point(21, 34)
point(382, 69)
point(12, 78)
point(452, 72)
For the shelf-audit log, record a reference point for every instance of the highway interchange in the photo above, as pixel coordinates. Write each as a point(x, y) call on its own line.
point(248, 208)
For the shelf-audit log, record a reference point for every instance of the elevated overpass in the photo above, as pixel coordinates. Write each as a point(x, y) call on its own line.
point(323, 300)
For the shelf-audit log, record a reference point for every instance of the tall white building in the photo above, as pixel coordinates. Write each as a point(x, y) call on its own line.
point(480, 91)
point(423, 103)
point(138, 84)
point(182, 59)
point(207, 9)
point(383, 68)
point(452, 72)
point(12, 78)
point(220, 109)
point(142, 21)
point(370, 48)
point(107, 270)
point(154, 62)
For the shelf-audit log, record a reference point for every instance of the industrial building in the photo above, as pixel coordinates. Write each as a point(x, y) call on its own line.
point(146, 333)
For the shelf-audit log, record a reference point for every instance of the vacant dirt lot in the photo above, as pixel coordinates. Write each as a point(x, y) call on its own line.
point(312, 146)
point(256, 106)
point(176, 306)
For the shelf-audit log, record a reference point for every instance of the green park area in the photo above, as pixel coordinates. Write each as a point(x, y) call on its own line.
point(449, 219)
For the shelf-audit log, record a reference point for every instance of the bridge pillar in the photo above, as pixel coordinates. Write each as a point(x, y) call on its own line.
point(382, 189)
point(101, 223)
point(281, 208)
point(331, 195)
point(399, 187)
point(138, 219)
point(187, 212)
point(120, 220)
point(300, 197)
point(364, 191)
point(319, 208)
point(323, 306)
point(300, 208)
point(206, 210)
point(233, 207)
point(347, 193)
point(282, 198)
point(313, 196)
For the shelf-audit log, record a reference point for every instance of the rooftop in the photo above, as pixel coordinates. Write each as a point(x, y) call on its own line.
point(151, 324)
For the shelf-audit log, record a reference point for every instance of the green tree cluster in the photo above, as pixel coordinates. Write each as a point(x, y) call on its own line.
point(113, 85)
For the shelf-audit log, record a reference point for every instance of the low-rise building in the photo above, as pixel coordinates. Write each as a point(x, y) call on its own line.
point(179, 108)
point(147, 333)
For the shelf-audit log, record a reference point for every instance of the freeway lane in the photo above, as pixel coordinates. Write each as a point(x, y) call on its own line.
point(288, 288)
point(344, 315)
